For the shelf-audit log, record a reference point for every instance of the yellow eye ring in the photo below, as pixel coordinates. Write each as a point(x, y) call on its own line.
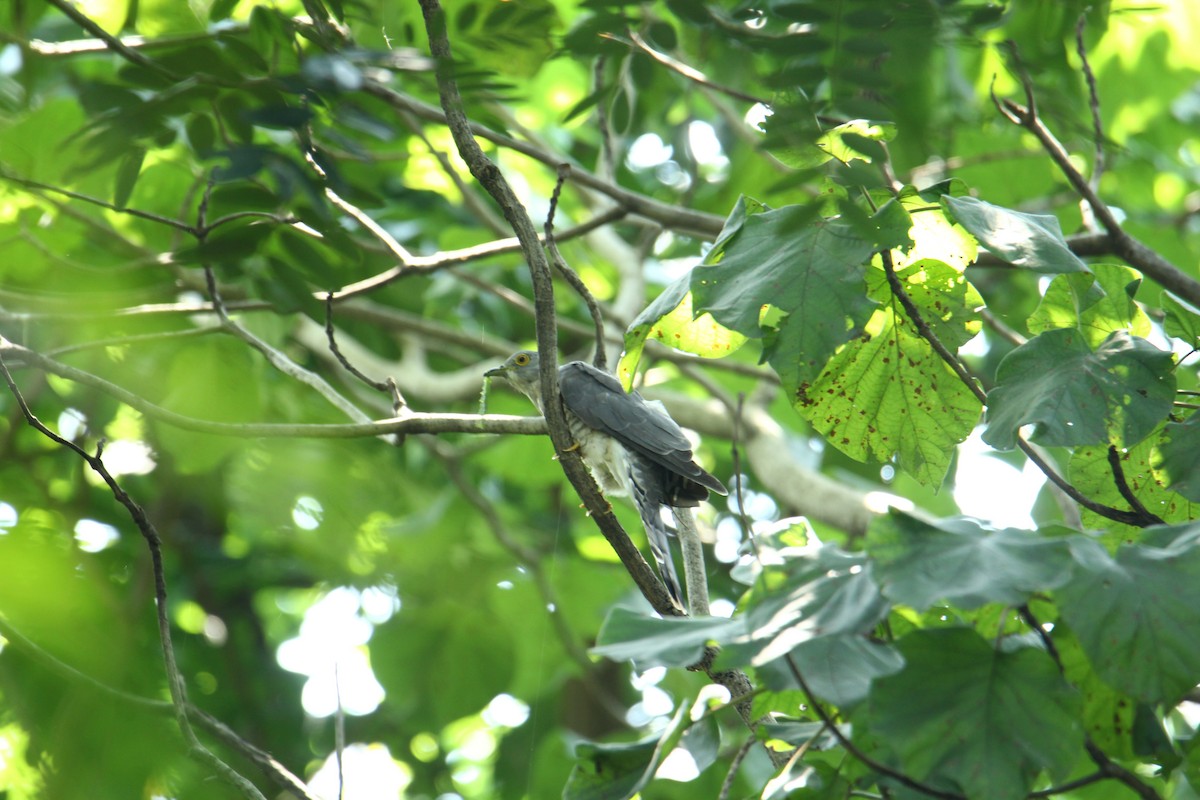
point(522, 359)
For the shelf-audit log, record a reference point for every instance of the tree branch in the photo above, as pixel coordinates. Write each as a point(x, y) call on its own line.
point(684, 220)
point(1122, 243)
point(175, 681)
point(490, 177)
point(1107, 766)
point(271, 768)
point(914, 314)
point(410, 422)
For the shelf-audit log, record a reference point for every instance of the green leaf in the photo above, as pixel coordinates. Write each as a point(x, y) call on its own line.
point(1135, 612)
point(227, 243)
point(702, 741)
point(1091, 473)
point(844, 143)
point(652, 641)
point(221, 9)
point(212, 380)
point(670, 320)
point(888, 392)
point(1033, 241)
point(1180, 457)
point(619, 771)
point(987, 720)
point(1107, 714)
point(1181, 321)
point(1119, 393)
point(826, 593)
point(279, 116)
point(810, 269)
point(838, 669)
point(128, 170)
point(1094, 304)
point(962, 562)
point(934, 235)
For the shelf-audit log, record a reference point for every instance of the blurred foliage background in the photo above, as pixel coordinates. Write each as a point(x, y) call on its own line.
point(443, 592)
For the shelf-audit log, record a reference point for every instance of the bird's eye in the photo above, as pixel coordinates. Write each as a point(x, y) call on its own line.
point(522, 359)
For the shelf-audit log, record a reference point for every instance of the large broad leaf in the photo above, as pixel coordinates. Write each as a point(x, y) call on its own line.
point(887, 392)
point(1181, 320)
point(1094, 304)
point(826, 593)
point(1135, 612)
point(856, 139)
point(960, 561)
point(652, 641)
point(986, 720)
point(837, 669)
point(1074, 396)
point(808, 268)
point(1180, 457)
point(1107, 713)
point(1034, 241)
point(671, 320)
point(1091, 472)
point(619, 771)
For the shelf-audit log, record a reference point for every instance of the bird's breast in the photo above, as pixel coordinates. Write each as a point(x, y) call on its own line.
point(604, 456)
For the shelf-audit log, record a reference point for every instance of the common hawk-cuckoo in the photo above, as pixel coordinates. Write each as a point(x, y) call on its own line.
point(631, 447)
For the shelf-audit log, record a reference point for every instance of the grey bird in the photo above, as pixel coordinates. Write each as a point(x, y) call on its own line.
point(631, 447)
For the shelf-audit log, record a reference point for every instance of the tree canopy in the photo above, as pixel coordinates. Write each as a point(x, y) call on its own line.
point(920, 277)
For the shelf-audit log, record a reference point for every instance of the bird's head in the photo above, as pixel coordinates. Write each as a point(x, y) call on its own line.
point(521, 370)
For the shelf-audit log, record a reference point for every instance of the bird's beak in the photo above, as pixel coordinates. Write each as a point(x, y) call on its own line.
point(497, 372)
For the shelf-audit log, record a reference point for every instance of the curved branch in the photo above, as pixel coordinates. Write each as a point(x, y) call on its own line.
point(490, 177)
point(175, 682)
point(271, 768)
point(707, 226)
point(1121, 242)
point(411, 422)
point(918, 320)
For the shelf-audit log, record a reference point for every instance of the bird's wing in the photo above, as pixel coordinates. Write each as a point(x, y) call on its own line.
point(598, 399)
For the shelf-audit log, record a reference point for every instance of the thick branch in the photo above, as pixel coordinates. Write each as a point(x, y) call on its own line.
point(490, 177)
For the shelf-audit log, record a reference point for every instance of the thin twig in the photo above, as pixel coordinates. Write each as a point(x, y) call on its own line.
point(853, 749)
point(1093, 104)
point(110, 41)
point(175, 682)
point(409, 422)
point(29, 183)
point(450, 258)
point(1107, 766)
point(1114, 463)
point(959, 369)
point(1123, 244)
point(1063, 788)
point(599, 360)
point(271, 768)
point(692, 74)
point(731, 773)
point(379, 386)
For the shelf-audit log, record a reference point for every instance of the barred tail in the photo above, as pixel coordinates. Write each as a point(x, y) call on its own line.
point(660, 548)
point(649, 506)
